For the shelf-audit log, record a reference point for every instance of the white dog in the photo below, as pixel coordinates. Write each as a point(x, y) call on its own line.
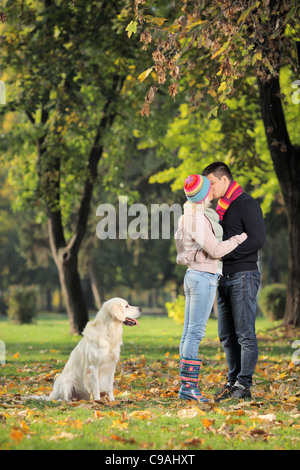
point(91, 365)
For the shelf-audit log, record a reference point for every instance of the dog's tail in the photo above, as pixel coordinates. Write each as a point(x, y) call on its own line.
point(70, 391)
point(37, 397)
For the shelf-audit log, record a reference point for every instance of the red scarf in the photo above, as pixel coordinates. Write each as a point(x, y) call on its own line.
point(233, 191)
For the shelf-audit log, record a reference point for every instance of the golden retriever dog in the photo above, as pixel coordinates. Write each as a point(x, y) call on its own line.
point(91, 365)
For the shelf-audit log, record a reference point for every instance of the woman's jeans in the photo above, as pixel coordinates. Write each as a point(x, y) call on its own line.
point(236, 324)
point(200, 291)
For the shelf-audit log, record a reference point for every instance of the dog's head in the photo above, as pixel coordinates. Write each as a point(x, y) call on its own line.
point(121, 311)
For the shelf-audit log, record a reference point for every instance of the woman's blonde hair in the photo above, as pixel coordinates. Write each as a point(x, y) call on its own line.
point(200, 206)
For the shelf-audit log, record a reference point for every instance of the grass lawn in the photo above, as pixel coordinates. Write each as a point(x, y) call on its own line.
point(147, 415)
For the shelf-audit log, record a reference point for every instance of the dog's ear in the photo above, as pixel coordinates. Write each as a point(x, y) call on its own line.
point(117, 311)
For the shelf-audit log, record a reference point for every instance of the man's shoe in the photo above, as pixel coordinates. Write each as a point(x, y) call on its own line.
point(239, 391)
point(224, 393)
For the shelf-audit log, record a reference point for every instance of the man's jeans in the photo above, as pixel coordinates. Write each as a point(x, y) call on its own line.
point(236, 324)
point(200, 292)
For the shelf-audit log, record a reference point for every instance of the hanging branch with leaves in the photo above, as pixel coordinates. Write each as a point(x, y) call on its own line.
point(224, 41)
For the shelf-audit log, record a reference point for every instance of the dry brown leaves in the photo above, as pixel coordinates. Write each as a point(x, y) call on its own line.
point(148, 392)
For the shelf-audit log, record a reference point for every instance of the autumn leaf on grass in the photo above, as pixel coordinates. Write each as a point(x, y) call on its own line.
point(120, 424)
point(122, 439)
point(269, 417)
point(260, 433)
point(190, 413)
point(193, 442)
point(16, 356)
point(24, 427)
point(62, 435)
point(207, 422)
point(73, 423)
point(231, 420)
point(16, 435)
point(142, 414)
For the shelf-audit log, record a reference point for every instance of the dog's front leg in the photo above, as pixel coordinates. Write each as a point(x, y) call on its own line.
point(92, 382)
point(106, 380)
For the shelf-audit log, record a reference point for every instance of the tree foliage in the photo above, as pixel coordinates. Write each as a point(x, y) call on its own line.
point(219, 43)
point(66, 68)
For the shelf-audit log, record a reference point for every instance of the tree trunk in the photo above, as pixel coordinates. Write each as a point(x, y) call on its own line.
point(286, 159)
point(73, 293)
point(292, 310)
point(95, 283)
point(66, 260)
point(66, 254)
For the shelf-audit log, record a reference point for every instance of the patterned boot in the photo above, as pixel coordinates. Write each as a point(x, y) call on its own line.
point(189, 375)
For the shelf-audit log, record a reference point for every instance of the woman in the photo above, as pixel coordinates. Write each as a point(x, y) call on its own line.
point(200, 247)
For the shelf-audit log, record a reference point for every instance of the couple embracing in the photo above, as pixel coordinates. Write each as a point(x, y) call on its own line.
point(220, 249)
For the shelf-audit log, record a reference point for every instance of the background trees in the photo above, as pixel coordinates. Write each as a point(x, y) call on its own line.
point(73, 137)
point(219, 47)
point(66, 66)
point(68, 70)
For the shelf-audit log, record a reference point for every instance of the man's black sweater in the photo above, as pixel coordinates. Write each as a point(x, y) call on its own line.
point(243, 215)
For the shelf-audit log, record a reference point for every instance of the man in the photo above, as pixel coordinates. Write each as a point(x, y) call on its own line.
point(238, 286)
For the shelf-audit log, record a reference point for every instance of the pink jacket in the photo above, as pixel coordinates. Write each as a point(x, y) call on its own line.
point(197, 241)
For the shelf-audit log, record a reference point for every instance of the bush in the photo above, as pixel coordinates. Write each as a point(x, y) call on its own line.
point(22, 304)
point(272, 300)
point(176, 309)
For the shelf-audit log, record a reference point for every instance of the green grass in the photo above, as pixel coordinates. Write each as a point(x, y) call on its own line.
point(147, 413)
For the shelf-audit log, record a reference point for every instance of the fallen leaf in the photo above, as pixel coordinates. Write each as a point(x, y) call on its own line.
point(207, 422)
point(267, 417)
point(194, 442)
point(142, 414)
point(260, 433)
point(231, 420)
point(62, 435)
point(120, 424)
point(190, 413)
point(16, 435)
point(116, 437)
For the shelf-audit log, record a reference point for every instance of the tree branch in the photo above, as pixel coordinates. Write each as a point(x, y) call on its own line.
point(107, 118)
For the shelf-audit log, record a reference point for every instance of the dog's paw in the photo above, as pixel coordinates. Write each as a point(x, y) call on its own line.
point(103, 398)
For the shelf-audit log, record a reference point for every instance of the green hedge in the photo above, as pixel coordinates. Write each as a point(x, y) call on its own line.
point(271, 300)
point(22, 304)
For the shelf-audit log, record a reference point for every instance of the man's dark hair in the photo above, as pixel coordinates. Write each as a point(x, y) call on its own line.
point(218, 169)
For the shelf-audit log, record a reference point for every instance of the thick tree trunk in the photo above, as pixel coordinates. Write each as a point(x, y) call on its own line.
point(73, 293)
point(286, 159)
point(66, 260)
point(292, 310)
